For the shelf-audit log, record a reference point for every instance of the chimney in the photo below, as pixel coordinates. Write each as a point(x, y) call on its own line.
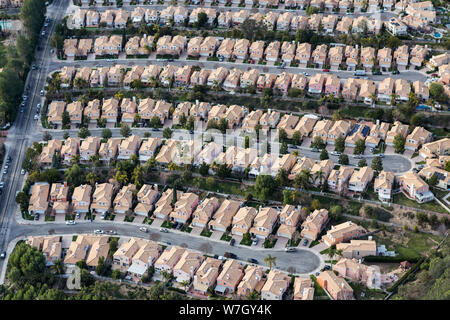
point(370, 237)
point(378, 122)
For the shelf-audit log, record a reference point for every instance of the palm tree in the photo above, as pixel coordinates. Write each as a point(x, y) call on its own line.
point(58, 267)
point(253, 295)
point(166, 275)
point(331, 252)
point(271, 261)
point(185, 283)
point(319, 175)
point(91, 177)
point(373, 97)
point(172, 166)
point(303, 179)
point(394, 97)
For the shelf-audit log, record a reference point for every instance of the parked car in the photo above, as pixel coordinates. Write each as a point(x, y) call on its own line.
point(3, 255)
point(251, 260)
point(77, 215)
point(112, 232)
point(395, 72)
point(376, 73)
point(164, 230)
point(71, 222)
point(315, 150)
point(290, 249)
point(42, 92)
point(305, 242)
point(232, 241)
point(255, 241)
point(335, 153)
point(381, 155)
point(180, 226)
point(216, 256)
point(36, 117)
point(220, 258)
point(2, 184)
point(175, 225)
point(326, 70)
point(230, 255)
point(143, 229)
point(98, 231)
point(36, 216)
point(358, 156)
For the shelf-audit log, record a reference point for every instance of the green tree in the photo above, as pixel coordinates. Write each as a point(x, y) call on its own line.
point(434, 180)
point(106, 133)
point(339, 144)
point(360, 146)
point(324, 154)
point(204, 169)
point(335, 212)
point(315, 204)
point(399, 143)
point(297, 138)
point(343, 159)
point(83, 133)
point(271, 261)
point(125, 130)
point(362, 163)
point(167, 133)
point(264, 187)
point(318, 143)
point(377, 164)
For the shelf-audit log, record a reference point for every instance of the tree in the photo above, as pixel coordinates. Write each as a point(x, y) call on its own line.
point(46, 136)
point(288, 197)
point(246, 142)
point(324, 154)
point(83, 133)
point(311, 10)
point(437, 92)
point(318, 143)
point(202, 20)
point(343, 159)
point(125, 130)
point(65, 119)
point(167, 133)
point(360, 147)
point(315, 204)
point(223, 171)
point(271, 261)
point(282, 135)
point(223, 125)
point(362, 163)
point(433, 181)
point(377, 164)
point(297, 138)
point(282, 177)
point(264, 186)
point(284, 148)
point(74, 176)
point(447, 165)
point(399, 143)
point(66, 135)
point(204, 169)
point(335, 212)
point(339, 144)
point(102, 267)
point(106, 133)
point(303, 179)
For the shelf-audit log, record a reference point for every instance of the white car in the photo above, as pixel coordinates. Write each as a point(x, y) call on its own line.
point(70, 222)
point(36, 117)
point(143, 229)
point(164, 230)
point(2, 184)
point(98, 231)
point(23, 171)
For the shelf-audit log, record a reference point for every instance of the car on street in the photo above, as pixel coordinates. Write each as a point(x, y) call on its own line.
point(230, 255)
point(290, 249)
point(43, 33)
point(326, 70)
point(2, 184)
point(22, 171)
point(98, 231)
point(112, 232)
point(395, 72)
point(175, 225)
point(77, 215)
point(358, 156)
point(5, 171)
point(315, 150)
point(335, 153)
point(255, 241)
point(3, 255)
point(41, 93)
point(36, 117)
point(220, 258)
point(327, 267)
point(232, 241)
point(251, 260)
point(22, 110)
point(70, 222)
point(34, 67)
point(143, 229)
point(372, 150)
point(103, 216)
point(164, 230)
point(180, 226)
point(381, 155)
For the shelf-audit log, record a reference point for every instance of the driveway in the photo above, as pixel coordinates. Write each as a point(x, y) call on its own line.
point(216, 235)
point(60, 217)
point(319, 247)
point(281, 243)
point(157, 222)
point(139, 219)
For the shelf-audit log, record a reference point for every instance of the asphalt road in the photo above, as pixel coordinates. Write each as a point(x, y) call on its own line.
point(410, 75)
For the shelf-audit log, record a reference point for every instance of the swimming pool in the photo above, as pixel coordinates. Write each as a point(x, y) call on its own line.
point(437, 35)
point(423, 107)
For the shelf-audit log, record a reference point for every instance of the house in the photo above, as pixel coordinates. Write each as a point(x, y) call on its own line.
point(110, 110)
point(204, 212)
point(128, 110)
point(401, 56)
point(206, 275)
point(208, 154)
point(368, 57)
point(396, 27)
point(421, 90)
point(264, 222)
point(322, 128)
point(314, 223)
point(299, 22)
point(335, 56)
point(332, 85)
point(148, 148)
point(339, 179)
point(343, 232)
point(357, 272)
point(303, 289)
point(442, 175)
point(272, 51)
point(75, 110)
point(129, 146)
point(275, 286)
point(166, 77)
point(384, 184)
point(39, 198)
point(418, 55)
point(123, 202)
point(339, 129)
point(299, 81)
point(145, 257)
point(145, 108)
point(320, 171)
point(316, 83)
point(284, 21)
point(231, 82)
point(266, 81)
point(193, 48)
point(224, 19)
point(283, 82)
point(108, 150)
point(289, 218)
point(253, 280)
point(414, 187)
point(336, 286)
point(59, 193)
point(360, 179)
point(386, 89)
point(184, 207)
point(51, 247)
point(163, 207)
point(70, 149)
point(251, 120)
point(303, 53)
point(242, 220)
point(146, 197)
point(89, 248)
point(150, 74)
point(319, 55)
point(186, 267)
point(226, 48)
point(102, 198)
point(122, 258)
point(98, 77)
point(200, 77)
point(440, 147)
point(256, 50)
point(314, 21)
point(55, 112)
point(397, 128)
point(286, 162)
point(182, 76)
point(46, 157)
point(270, 19)
point(168, 259)
point(217, 77)
point(208, 46)
point(358, 249)
point(288, 124)
point(81, 198)
point(240, 50)
point(222, 219)
point(345, 24)
point(303, 163)
point(229, 278)
point(417, 138)
point(402, 89)
point(269, 119)
point(385, 58)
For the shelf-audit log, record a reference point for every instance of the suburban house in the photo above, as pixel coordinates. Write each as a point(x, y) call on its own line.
point(229, 278)
point(360, 179)
point(336, 286)
point(384, 184)
point(303, 289)
point(188, 264)
point(81, 198)
point(168, 259)
point(206, 275)
point(314, 223)
point(253, 280)
point(275, 286)
point(102, 198)
point(264, 222)
point(146, 197)
point(289, 218)
point(357, 249)
point(342, 232)
point(242, 220)
point(222, 219)
point(414, 187)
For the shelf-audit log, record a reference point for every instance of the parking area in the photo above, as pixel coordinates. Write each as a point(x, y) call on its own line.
point(281, 243)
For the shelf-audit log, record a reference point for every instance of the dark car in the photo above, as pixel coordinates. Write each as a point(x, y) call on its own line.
point(326, 70)
point(175, 225)
point(180, 226)
point(36, 216)
point(376, 73)
point(395, 72)
point(230, 255)
point(3, 255)
point(327, 267)
point(232, 241)
point(251, 260)
point(305, 242)
point(216, 256)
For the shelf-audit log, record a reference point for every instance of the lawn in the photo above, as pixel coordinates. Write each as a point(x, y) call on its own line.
point(186, 228)
point(246, 242)
point(166, 224)
point(270, 243)
point(74, 238)
point(225, 237)
point(401, 199)
point(206, 233)
point(49, 218)
point(369, 294)
point(291, 243)
point(318, 290)
point(129, 218)
point(148, 220)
